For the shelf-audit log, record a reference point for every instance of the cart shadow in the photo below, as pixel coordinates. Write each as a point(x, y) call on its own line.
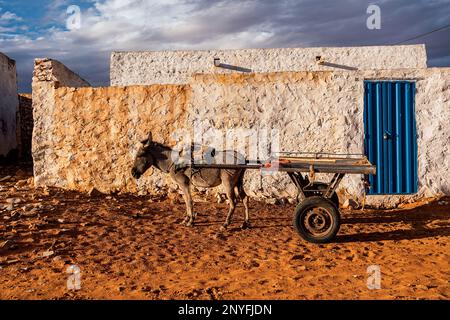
point(429, 220)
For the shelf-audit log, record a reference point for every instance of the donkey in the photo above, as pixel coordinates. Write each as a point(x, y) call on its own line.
point(155, 154)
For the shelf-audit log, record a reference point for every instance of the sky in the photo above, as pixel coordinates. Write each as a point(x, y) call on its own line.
point(38, 29)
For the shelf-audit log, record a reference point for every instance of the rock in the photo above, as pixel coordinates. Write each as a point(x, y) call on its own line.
point(58, 261)
point(21, 183)
point(421, 287)
point(272, 201)
point(12, 261)
point(47, 253)
point(350, 204)
point(220, 198)
point(46, 191)
point(4, 243)
point(13, 200)
point(5, 178)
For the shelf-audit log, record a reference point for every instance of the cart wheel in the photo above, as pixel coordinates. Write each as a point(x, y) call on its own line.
point(319, 186)
point(317, 220)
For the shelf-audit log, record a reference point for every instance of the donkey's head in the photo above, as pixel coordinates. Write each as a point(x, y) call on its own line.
point(144, 158)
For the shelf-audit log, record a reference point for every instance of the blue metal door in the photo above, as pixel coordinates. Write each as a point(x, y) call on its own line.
point(390, 136)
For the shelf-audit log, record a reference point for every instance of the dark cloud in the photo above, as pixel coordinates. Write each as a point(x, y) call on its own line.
point(145, 25)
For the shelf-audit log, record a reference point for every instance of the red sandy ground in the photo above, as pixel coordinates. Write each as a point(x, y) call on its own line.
point(130, 247)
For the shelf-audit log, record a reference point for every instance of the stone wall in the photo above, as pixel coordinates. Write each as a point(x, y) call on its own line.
point(8, 105)
point(323, 112)
point(86, 138)
point(176, 67)
point(48, 75)
point(25, 126)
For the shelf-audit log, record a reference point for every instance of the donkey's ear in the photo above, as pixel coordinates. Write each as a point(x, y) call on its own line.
point(147, 142)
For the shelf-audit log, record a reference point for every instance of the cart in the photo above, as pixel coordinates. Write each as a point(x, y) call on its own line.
point(316, 217)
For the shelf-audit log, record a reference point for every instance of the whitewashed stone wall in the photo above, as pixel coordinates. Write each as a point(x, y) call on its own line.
point(9, 103)
point(87, 138)
point(323, 112)
point(176, 67)
point(48, 75)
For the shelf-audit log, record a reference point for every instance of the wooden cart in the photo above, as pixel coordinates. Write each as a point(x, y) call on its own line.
point(316, 217)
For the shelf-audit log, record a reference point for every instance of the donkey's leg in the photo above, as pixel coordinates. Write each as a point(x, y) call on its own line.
point(189, 220)
point(184, 183)
point(229, 190)
point(245, 200)
point(237, 195)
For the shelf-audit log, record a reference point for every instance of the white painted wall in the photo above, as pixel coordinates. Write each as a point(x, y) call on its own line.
point(176, 67)
point(9, 104)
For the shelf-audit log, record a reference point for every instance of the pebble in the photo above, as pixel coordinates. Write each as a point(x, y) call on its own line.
point(421, 287)
point(21, 183)
point(47, 253)
point(5, 178)
point(13, 200)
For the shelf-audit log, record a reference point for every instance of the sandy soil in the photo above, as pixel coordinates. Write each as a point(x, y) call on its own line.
point(130, 247)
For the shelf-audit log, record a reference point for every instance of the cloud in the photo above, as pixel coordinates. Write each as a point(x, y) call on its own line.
point(8, 17)
point(108, 25)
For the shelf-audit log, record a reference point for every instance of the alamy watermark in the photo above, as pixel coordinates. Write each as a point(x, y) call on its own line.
point(73, 21)
point(74, 279)
point(206, 144)
point(374, 277)
point(373, 22)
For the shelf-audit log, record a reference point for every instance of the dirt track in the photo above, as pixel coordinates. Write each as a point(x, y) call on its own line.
point(133, 248)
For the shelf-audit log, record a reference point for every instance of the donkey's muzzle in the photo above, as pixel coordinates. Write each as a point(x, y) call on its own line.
point(135, 173)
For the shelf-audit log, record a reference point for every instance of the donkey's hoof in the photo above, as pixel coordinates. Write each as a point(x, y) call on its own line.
point(245, 225)
point(189, 224)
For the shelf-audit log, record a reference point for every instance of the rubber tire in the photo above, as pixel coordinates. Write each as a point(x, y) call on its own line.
point(313, 202)
point(320, 186)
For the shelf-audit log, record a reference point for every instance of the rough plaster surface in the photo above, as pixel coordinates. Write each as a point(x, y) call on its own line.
point(91, 135)
point(48, 75)
point(8, 105)
point(312, 112)
point(86, 138)
point(176, 67)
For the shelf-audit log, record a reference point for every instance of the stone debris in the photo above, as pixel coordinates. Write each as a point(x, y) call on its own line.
point(5, 178)
point(22, 183)
point(47, 253)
